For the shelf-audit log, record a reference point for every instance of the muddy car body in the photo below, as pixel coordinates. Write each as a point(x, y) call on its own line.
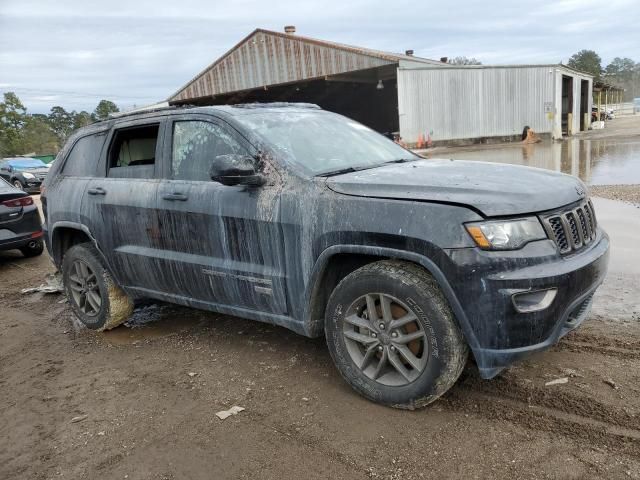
point(308, 220)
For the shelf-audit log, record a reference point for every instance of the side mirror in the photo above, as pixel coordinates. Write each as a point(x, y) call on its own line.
point(235, 169)
point(9, 168)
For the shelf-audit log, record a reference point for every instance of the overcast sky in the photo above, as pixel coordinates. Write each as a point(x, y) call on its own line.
point(135, 52)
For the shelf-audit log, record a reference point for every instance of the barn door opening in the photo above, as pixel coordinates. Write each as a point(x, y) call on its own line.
point(567, 105)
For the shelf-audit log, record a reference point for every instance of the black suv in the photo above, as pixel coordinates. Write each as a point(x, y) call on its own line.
point(295, 216)
point(24, 173)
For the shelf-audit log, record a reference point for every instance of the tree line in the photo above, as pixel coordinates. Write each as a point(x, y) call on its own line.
point(622, 72)
point(23, 133)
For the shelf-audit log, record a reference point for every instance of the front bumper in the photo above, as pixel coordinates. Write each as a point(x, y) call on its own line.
point(33, 186)
point(484, 283)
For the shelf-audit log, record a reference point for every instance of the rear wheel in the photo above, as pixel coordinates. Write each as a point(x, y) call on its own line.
point(93, 294)
point(33, 248)
point(392, 335)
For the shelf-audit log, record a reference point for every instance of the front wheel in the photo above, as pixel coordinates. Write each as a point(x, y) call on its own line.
point(393, 336)
point(93, 294)
point(18, 184)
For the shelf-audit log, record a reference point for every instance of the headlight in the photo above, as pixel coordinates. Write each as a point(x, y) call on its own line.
point(28, 175)
point(507, 234)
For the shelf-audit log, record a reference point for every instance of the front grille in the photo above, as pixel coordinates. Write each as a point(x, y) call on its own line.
point(572, 229)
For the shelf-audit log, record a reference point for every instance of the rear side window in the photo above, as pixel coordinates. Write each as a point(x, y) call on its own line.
point(133, 152)
point(84, 156)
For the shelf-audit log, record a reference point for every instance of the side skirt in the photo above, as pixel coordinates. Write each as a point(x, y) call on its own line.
point(280, 320)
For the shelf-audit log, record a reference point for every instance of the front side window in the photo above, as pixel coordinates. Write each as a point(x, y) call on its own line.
point(84, 156)
point(196, 145)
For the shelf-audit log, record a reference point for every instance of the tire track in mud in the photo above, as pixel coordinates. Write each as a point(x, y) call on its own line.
point(612, 346)
point(553, 399)
point(299, 438)
point(533, 417)
point(609, 351)
point(554, 411)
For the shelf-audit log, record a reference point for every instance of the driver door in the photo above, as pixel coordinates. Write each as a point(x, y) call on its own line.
point(221, 244)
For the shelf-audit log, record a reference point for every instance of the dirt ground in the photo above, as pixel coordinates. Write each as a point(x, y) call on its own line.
point(144, 396)
point(150, 391)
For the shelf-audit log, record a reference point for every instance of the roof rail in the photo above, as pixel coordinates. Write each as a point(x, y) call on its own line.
point(151, 109)
point(276, 105)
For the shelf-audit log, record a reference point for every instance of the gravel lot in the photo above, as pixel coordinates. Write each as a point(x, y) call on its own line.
point(625, 193)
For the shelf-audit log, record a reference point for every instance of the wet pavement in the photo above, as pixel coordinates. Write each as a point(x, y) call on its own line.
point(601, 161)
point(619, 296)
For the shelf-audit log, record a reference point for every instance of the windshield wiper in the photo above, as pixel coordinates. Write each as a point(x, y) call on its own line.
point(365, 167)
point(345, 170)
point(401, 160)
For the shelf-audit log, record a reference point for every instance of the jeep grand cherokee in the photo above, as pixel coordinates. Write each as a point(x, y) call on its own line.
point(292, 215)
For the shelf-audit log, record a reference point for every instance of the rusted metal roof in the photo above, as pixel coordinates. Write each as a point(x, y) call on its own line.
point(266, 58)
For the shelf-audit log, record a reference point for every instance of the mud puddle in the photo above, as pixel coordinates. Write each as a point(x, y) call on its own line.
point(595, 161)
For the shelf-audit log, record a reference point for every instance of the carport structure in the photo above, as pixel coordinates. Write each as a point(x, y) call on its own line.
point(268, 66)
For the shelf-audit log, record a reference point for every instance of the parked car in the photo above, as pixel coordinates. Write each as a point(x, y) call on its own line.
point(24, 173)
point(295, 216)
point(605, 114)
point(20, 223)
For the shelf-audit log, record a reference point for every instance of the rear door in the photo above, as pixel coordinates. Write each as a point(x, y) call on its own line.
point(66, 190)
point(120, 202)
point(224, 243)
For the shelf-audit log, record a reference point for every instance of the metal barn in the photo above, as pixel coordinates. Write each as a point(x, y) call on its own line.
point(269, 66)
point(491, 102)
point(417, 97)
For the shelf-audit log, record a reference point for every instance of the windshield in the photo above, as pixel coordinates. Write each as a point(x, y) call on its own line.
point(27, 163)
point(322, 142)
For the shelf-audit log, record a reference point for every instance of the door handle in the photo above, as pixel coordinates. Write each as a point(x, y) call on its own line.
point(97, 191)
point(175, 196)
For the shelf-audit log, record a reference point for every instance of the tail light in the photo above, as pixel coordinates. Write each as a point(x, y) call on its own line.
point(18, 202)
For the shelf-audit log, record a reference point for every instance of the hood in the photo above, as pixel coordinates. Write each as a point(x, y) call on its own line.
point(39, 171)
point(493, 188)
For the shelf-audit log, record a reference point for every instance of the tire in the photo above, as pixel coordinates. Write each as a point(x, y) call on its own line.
point(399, 373)
point(18, 184)
point(84, 276)
point(33, 248)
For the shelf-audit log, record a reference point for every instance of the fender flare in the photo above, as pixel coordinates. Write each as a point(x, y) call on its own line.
point(425, 262)
point(84, 229)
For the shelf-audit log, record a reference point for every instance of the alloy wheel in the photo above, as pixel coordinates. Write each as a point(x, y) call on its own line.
point(84, 288)
point(385, 339)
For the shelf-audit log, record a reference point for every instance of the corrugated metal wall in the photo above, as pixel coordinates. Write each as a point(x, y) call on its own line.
point(267, 59)
point(466, 103)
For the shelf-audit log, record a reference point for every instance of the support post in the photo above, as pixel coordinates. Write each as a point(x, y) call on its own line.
point(599, 105)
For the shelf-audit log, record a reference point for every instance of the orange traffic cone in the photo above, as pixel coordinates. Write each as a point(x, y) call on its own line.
point(420, 143)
